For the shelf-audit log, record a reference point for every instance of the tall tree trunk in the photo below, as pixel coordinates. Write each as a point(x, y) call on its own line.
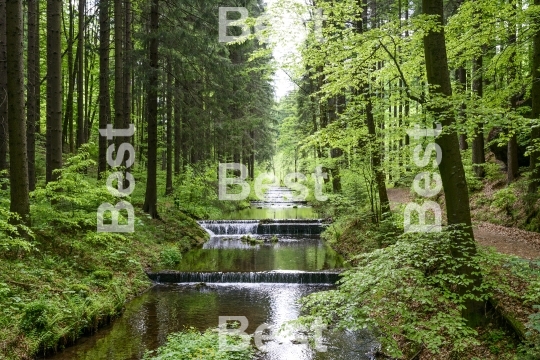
point(512, 147)
point(150, 200)
point(127, 65)
point(407, 107)
point(72, 73)
point(376, 159)
point(119, 70)
point(461, 75)
point(177, 126)
point(478, 155)
point(104, 94)
point(18, 161)
point(336, 153)
point(376, 156)
point(535, 114)
point(80, 77)
point(251, 155)
point(512, 158)
point(37, 71)
point(451, 167)
point(3, 90)
point(169, 129)
point(54, 89)
point(88, 111)
point(31, 95)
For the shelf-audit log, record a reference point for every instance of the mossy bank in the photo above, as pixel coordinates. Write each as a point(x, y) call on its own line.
point(74, 279)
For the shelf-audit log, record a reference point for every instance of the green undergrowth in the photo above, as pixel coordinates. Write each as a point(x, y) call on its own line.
point(354, 229)
point(60, 278)
point(356, 234)
point(404, 294)
point(192, 344)
point(399, 289)
point(196, 192)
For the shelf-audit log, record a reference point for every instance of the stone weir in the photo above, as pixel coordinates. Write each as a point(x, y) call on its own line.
point(263, 227)
point(276, 276)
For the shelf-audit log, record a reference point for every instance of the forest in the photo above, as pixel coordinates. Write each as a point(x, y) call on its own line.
point(413, 126)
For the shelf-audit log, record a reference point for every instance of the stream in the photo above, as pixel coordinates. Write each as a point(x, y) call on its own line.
point(262, 281)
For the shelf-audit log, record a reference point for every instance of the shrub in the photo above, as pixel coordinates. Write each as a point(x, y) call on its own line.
point(14, 238)
point(493, 171)
point(34, 318)
point(505, 199)
point(192, 344)
point(405, 294)
point(170, 256)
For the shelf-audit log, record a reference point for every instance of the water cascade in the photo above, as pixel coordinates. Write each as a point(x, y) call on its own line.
point(258, 268)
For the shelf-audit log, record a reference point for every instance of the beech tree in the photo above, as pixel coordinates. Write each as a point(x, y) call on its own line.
point(535, 113)
point(81, 138)
point(458, 211)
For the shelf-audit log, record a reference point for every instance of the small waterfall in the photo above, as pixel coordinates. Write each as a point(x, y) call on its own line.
point(283, 277)
point(226, 227)
point(289, 229)
point(263, 227)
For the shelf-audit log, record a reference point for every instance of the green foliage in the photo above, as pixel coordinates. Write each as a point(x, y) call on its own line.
point(191, 344)
point(70, 204)
point(35, 317)
point(170, 256)
point(530, 349)
point(496, 341)
point(196, 192)
point(473, 183)
point(14, 237)
point(504, 199)
point(528, 271)
point(72, 278)
point(103, 275)
point(493, 171)
point(406, 291)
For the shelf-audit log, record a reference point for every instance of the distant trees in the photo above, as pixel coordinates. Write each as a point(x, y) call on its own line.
point(178, 91)
point(375, 66)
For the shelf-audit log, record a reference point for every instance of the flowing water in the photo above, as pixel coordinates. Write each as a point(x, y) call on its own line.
point(261, 280)
point(279, 203)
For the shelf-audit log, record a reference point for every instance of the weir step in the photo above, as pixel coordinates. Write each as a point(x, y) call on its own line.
point(263, 227)
point(282, 277)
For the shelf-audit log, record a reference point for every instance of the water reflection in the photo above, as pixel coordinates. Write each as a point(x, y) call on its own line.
point(229, 253)
point(170, 308)
point(165, 309)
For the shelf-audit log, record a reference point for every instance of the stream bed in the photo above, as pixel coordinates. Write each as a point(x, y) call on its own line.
point(261, 281)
